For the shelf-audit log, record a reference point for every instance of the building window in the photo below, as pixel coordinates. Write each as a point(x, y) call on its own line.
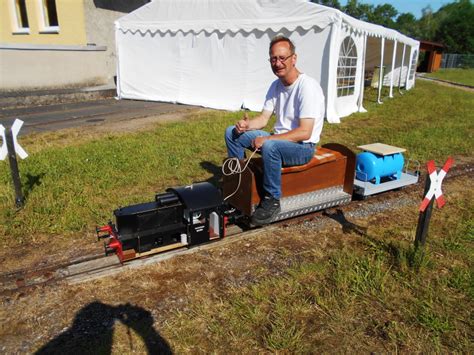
point(49, 16)
point(346, 68)
point(413, 65)
point(20, 17)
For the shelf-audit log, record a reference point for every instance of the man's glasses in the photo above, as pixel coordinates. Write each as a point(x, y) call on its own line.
point(274, 60)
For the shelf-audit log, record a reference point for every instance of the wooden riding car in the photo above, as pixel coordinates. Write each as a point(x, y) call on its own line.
point(325, 181)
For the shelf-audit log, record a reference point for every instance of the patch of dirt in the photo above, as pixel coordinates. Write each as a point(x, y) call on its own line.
point(145, 123)
point(76, 135)
point(46, 250)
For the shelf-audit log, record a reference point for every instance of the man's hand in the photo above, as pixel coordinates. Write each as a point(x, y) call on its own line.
point(258, 142)
point(243, 125)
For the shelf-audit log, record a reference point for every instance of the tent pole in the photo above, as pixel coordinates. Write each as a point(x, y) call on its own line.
point(409, 68)
point(331, 113)
point(394, 58)
point(117, 63)
point(362, 81)
point(416, 62)
point(381, 71)
point(401, 70)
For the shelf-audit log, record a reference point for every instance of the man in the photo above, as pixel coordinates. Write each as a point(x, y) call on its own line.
point(298, 103)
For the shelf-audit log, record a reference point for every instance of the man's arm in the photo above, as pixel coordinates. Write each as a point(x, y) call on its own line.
point(258, 122)
point(301, 133)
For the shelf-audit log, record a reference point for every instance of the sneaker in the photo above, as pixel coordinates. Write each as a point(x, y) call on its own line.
point(269, 207)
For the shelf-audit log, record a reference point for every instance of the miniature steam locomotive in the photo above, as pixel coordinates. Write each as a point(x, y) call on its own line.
point(198, 213)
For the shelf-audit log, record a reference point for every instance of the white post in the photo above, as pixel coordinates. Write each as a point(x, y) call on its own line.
point(401, 70)
point(381, 71)
point(394, 58)
point(362, 81)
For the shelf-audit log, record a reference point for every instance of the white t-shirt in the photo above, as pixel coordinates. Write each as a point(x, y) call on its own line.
point(302, 99)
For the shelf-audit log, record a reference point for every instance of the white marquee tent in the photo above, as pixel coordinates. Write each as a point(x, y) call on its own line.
point(213, 53)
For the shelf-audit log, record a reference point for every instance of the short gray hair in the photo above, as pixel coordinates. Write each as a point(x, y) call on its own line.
point(281, 38)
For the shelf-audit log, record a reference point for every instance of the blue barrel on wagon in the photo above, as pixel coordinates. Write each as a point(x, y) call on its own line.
point(374, 167)
point(379, 168)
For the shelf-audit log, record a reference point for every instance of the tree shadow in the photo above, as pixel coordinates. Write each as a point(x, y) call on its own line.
point(124, 6)
point(32, 181)
point(215, 170)
point(347, 226)
point(93, 327)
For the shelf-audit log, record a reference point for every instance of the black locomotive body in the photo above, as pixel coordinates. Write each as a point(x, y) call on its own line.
point(150, 225)
point(179, 217)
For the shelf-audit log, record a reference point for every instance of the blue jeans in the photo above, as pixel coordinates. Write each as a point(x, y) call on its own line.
point(275, 155)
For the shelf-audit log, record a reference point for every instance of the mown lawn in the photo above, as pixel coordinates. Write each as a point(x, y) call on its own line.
point(376, 294)
point(461, 76)
point(71, 187)
point(362, 291)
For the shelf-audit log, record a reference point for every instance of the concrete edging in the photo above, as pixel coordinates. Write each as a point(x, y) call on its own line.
point(49, 97)
point(445, 81)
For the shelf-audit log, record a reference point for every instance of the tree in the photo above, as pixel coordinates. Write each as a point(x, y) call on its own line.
point(407, 24)
point(383, 15)
point(452, 25)
point(331, 3)
point(357, 10)
point(428, 24)
point(456, 27)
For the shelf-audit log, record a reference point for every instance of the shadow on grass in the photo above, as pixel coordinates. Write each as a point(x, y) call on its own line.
point(398, 255)
point(93, 328)
point(371, 94)
point(347, 226)
point(215, 170)
point(32, 181)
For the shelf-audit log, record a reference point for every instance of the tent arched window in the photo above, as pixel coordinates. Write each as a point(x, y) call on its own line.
point(346, 68)
point(413, 65)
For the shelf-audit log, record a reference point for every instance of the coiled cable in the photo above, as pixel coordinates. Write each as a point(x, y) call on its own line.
point(232, 166)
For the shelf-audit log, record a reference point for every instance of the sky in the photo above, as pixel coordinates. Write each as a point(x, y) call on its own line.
point(402, 6)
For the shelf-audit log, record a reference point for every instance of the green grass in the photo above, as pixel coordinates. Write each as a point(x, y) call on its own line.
point(355, 299)
point(461, 76)
point(72, 188)
point(374, 294)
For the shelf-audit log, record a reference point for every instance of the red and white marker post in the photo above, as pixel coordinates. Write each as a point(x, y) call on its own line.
point(432, 192)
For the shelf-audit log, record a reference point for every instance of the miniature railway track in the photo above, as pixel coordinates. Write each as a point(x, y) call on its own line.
point(93, 266)
point(24, 279)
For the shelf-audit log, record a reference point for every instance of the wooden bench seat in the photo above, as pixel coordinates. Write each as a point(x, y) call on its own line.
point(321, 156)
